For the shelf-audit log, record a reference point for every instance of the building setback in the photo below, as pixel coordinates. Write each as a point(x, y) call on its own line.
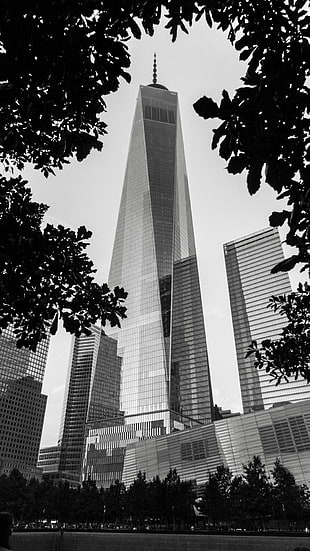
point(22, 405)
point(249, 261)
point(165, 379)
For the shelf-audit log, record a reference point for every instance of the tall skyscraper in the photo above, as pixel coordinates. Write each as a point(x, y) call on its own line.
point(92, 393)
point(22, 406)
point(165, 370)
point(249, 261)
point(165, 379)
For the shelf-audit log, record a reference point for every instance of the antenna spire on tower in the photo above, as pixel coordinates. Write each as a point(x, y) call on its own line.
point(155, 70)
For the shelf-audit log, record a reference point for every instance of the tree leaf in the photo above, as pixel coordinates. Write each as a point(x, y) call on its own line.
point(206, 108)
point(208, 17)
point(225, 105)
point(217, 134)
point(225, 148)
point(237, 164)
point(245, 54)
point(286, 264)
point(278, 218)
point(254, 179)
point(242, 42)
point(266, 343)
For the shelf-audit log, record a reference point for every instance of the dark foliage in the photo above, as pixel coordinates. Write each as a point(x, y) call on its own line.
point(290, 354)
point(256, 493)
point(45, 274)
point(265, 126)
point(253, 500)
point(265, 133)
point(178, 499)
point(217, 499)
point(290, 500)
point(87, 503)
point(245, 500)
point(137, 502)
point(248, 501)
point(57, 62)
point(137, 506)
point(114, 502)
point(66, 58)
point(59, 59)
point(13, 493)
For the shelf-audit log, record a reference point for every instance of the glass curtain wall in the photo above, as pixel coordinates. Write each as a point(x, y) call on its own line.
point(249, 261)
point(162, 343)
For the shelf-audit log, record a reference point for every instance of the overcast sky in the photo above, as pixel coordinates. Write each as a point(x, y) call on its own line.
point(88, 193)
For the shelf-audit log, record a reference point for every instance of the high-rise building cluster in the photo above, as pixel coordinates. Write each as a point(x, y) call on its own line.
point(139, 398)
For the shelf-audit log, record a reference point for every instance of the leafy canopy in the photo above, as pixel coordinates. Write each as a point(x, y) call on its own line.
point(58, 60)
point(290, 354)
point(47, 272)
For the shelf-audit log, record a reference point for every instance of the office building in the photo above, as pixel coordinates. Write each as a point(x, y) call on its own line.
point(92, 393)
point(162, 343)
point(22, 405)
point(165, 382)
point(49, 459)
point(49, 464)
point(249, 261)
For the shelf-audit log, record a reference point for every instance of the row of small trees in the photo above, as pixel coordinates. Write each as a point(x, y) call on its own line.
point(165, 501)
point(248, 500)
point(253, 498)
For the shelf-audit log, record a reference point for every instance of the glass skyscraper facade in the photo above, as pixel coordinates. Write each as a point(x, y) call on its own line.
point(162, 343)
point(92, 393)
point(22, 405)
point(249, 261)
point(165, 379)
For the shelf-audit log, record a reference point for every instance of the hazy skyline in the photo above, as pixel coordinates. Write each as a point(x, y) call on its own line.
point(88, 193)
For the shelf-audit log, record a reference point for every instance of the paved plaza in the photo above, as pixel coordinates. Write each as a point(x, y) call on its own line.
point(123, 541)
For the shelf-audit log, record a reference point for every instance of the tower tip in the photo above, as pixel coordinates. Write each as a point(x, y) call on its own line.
point(155, 69)
point(154, 82)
